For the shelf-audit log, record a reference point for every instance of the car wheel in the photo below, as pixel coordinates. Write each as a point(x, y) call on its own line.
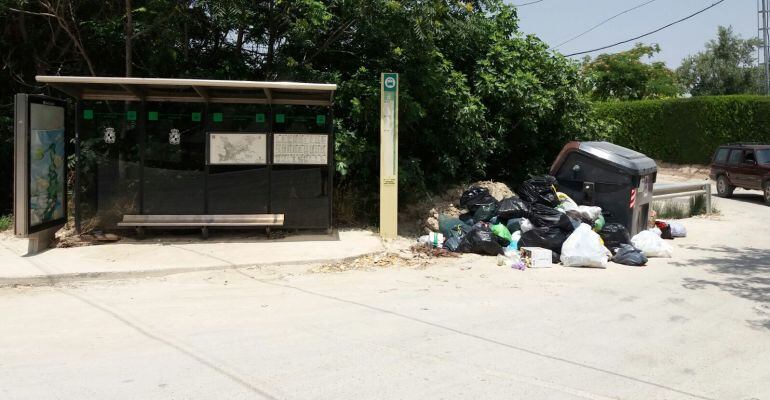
point(724, 189)
point(767, 193)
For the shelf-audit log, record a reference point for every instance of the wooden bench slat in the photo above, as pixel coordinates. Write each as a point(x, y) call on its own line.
point(133, 220)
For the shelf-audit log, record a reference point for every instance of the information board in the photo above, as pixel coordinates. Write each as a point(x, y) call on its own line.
point(237, 148)
point(41, 170)
point(300, 148)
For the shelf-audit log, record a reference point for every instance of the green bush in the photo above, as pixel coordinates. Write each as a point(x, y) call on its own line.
point(687, 131)
point(6, 221)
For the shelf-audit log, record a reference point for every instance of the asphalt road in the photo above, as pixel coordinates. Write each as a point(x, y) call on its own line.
point(696, 326)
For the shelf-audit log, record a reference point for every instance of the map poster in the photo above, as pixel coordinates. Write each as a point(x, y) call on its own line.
point(47, 176)
point(237, 148)
point(300, 148)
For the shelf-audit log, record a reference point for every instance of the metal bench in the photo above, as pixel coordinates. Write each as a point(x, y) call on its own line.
point(141, 222)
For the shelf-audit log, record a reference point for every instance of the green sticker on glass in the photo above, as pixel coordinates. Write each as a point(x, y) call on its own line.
point(217, 117)
point(152, 115)
point(88, 114)
point(131, 115)
point(280, 118)
point(260, 117)
point(196, 117)
point(320, 119)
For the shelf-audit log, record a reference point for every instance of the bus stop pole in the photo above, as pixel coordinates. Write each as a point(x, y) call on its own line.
point(389, 155)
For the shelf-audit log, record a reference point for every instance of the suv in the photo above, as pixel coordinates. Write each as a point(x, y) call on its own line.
point(745, 165)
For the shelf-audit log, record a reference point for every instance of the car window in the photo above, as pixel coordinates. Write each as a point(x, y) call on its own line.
point(763, 156)
point(736, 157)
point(749, 156)
point(721, 156)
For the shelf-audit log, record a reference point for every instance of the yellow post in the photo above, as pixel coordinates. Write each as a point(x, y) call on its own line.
point(389, 155)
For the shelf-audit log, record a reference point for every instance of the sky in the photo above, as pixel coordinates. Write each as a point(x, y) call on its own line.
point(555, 21)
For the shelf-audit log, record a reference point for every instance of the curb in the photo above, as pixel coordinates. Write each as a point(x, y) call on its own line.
point(54, 279)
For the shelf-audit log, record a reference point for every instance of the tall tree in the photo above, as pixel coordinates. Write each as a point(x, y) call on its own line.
point(626, 76)
point(726, 66)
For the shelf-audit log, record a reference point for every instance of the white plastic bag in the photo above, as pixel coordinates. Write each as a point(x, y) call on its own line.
point(652, 245)
point(584, 248)
point(525, 225)
point(590, 213)
point(677, 229)
point(566, 203)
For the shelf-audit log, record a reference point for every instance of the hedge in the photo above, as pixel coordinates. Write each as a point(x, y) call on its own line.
point(687, 131)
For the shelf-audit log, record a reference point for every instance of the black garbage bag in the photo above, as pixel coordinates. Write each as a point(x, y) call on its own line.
point(455, 235)
point(514, 224)
point(614, 235)
point(544, 216)
point(485, 211)
point(512, 207)
point(627, 254)
point(467, 218)
point(555, 257)
point(474, 196)
point(539, 189)
point(480, 240)
point(546, 237)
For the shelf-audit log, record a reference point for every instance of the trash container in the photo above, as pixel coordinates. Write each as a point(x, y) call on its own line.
point(617, 179)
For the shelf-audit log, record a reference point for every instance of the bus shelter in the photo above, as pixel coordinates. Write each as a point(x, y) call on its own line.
point(152, 152)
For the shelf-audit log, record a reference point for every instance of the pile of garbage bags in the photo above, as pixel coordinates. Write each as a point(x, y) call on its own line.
point(538, 216)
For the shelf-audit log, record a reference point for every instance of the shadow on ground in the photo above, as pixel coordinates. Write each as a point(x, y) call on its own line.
point(742, 272)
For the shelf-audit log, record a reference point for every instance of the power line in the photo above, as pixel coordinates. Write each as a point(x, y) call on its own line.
point(648, 33)
point(526, 4)
point(604, 22)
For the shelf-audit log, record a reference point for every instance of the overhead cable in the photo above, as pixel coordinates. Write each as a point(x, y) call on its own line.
point(648, 33)
point(604, 22)
point(526, 4)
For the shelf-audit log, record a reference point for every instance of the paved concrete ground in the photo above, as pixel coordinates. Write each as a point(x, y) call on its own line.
point(693, 327)
point(168, 254)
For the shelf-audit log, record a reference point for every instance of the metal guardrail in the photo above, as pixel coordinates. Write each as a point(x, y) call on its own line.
point(664, 191)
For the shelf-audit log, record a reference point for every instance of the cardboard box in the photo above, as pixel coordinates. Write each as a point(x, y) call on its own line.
point(536, 257)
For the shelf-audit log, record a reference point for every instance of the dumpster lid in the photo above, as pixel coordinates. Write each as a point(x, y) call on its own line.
point(632, 161)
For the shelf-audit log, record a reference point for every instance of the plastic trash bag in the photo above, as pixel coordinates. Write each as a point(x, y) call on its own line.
point(539, 189)
point(677, 229)
point(565, 203)
point(446, 224)
point(589, 214)
point(546, 237)
point(584, 248)
point(501, 231)
point(474, 197)
point(512, 207)
point(480, 241)
point(514, 224)
point(485, 211)
point(542, 216)
point(599, 223)
point(614, 235)
point(627, 254)
point(651, 244)
point(665, 229)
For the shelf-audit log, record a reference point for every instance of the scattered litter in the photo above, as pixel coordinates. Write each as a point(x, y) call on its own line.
point(536, 257)
point(584, 248)
point(651, 244)
point(432, 239)
point(627, 254)
point(677, 229)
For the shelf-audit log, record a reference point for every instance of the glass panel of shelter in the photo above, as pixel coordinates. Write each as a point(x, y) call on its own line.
point(174, 164)
point(302, 192)
point(110, 166)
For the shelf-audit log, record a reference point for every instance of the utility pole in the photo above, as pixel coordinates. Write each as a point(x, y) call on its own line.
point(763, 8)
